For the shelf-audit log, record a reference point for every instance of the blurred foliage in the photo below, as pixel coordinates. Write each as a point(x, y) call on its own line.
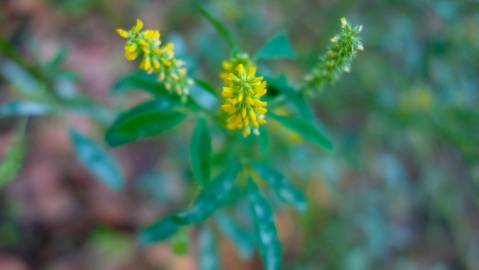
point(400, 191)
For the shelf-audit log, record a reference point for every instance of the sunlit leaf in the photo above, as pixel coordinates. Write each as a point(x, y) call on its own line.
point(282, 186)
point(277, 47)
point(97, 160)
point(25, 108)
point(213, 196)
point(200, 152)
point(207, 251)
point(265, 229)
point(157, 231)
point(307, 130)
point(12, 161)
point(145, 120)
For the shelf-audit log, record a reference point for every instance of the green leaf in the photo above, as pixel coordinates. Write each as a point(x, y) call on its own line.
point(294, 97)
point(97, 160)
point(239, 237)
point(207, 251)
point(282, 186)
point(307, 130)
point(12, 161)
point(200, 152)
point(206, 86)
point(139, 80)
point(265, 230)
point(145, 120)
point(203, 98)
point(222, 30)
point(25, 108)
point(179, 243)
point(277, 47)
point(264, 140)
point(58, 58)
point(157, 231)
point(212, 197)
point(149, 83)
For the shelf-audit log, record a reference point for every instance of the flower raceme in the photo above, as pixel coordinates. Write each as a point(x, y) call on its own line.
point(338, 57)
point(241, 94)
point(230, 65)
point(156, 57)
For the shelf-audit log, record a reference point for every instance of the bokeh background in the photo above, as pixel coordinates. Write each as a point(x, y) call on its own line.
point(402, 191)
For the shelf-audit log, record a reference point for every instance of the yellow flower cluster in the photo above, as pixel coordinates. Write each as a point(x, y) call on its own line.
point(155, 57)
point(230, 65)
point(241, 93)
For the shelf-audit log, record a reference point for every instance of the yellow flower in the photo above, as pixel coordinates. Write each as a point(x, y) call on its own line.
point(231, 64)
point(132, 32)
point(241, 99)
point(156, 58)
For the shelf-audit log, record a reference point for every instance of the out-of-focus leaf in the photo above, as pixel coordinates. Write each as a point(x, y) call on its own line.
point(206, 86)
point(239, 237)
point(145, 120)
point(282, 186)
point(12, 161)
point(157, 231)
point(109, 243)
point(213, 196)
point(203, 98)
point(207, 251)
point(265, 229)
point(298, 102)
point(24, 82)
point(200, 152)
point(179, 243)
point(277, 47)
point(97, 160)
point(307, 130)
point(139, 80)
point(222, 30)
point(264, 140)
point(58, 58)
point(25, 108)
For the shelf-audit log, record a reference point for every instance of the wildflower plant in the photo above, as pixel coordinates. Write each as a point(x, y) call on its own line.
point(247, 101)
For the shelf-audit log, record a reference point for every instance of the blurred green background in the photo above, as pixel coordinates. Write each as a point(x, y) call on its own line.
point(402, 191)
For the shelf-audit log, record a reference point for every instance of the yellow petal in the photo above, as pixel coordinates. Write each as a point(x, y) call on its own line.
point(227, 92)
point(261, 110)
point(169, 46)
point(240, 68)
point(251, 71)
point(138, 26)
point(240, 97)
point(152, 34)
point(228, 108)
point(122, 33)
point(227, 65)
